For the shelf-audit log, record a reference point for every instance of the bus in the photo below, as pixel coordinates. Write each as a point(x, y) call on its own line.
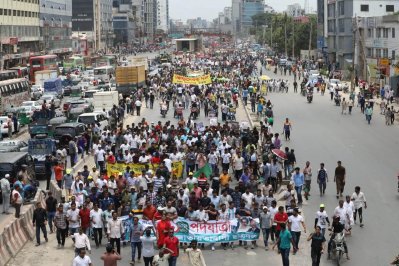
point(8, 74)
point(74, 62)
point(23, 72)
point(42, 62)
point(106, 60)
point(13, 93)
point(103, 73)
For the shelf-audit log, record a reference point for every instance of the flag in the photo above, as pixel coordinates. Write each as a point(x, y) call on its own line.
point(206, 169)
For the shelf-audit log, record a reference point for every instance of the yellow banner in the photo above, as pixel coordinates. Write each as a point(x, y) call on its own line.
point(205, 79)
point(115, 169)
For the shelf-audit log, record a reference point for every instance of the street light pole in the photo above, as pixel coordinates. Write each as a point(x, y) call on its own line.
point(310, 38)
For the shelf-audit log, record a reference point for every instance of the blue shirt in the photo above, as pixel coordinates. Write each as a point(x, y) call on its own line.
point(105, 203)
point(285, 239)
point(298, 179)
point(244, 93)
point(245, 178)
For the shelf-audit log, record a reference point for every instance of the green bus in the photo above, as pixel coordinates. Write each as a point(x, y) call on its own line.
point(74, 62)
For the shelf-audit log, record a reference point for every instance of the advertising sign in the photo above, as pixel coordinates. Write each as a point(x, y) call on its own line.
point(82, 15)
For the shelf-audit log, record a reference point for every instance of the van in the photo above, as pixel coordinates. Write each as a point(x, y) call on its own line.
point(11, 163)
point(99, 118)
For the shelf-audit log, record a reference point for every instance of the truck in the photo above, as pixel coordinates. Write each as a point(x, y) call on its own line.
point(129, 79)
point(41, 76)
point(139, 61)
point(105, 100)
point(39, 147)
point(53, 86)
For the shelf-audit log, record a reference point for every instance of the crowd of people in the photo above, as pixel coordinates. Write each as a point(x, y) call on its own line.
point(228, 173)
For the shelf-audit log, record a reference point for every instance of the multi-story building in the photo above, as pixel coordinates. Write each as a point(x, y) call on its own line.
point(294, 10)
point(56, 26)
point(19, 31)
point(249, 9)
point(149, 19)
point(137, 11)
point(123, 22)
point(340, 26)
point(242, 12)
point(163, 15)
point(377, 49)
point(94, 19)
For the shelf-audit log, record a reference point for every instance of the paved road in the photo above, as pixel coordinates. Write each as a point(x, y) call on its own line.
point(46, 254)
point(321, 134)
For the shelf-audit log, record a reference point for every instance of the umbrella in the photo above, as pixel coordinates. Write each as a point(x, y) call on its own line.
point(264, 77)
point(279, 153)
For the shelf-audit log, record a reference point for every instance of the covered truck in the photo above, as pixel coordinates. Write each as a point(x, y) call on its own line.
point(105, 100)
point(43, 75)
point(53, 86)
point(129, 79)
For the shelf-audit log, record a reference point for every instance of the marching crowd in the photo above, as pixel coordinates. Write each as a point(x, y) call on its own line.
point(228, 173)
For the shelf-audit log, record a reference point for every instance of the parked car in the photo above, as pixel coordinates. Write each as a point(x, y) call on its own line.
point(67, 90)
point(4, 126)
point(13, 146)
point(48, 98)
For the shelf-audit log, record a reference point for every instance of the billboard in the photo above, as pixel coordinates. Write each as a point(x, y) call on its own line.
point(82, 15)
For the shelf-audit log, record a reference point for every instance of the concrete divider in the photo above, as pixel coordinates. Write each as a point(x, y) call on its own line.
point(27, 225)
point(5, 254)
point(15, 237)
point(57, 192)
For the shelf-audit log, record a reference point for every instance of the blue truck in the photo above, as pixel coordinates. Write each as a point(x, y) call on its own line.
point(38, 148)
point(53, 86)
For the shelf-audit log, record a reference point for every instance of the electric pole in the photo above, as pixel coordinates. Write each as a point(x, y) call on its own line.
point(293, 38)
point(310, 38)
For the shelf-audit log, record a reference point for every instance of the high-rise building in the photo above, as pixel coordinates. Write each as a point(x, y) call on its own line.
point(123, 22)
point(340, 25)
point(294, 10)
point(94, 19)
point(56, 26)
point(163, 15)
point(149, 19)
point(19, 31)
point(242, 13)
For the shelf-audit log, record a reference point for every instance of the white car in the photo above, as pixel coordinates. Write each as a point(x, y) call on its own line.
point(36, 91)
point(4, 125)
point(48, 98)
point(333, 82)
point(99, 118)
point(31, 103)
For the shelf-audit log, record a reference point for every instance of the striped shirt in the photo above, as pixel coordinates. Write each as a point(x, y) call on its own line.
point(60, 220)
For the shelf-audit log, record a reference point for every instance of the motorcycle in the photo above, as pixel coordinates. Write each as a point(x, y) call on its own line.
point(338, 246)
point(163, 112)
point(337, 99)
point(345, 88)
point(194, 112)
point(309, 97)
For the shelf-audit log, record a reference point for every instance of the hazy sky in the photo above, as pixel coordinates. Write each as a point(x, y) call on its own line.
point(209, 9)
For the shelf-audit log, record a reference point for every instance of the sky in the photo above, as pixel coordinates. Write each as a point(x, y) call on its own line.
point(209, 9)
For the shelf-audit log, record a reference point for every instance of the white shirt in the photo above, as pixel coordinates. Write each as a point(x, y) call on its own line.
point(96, 218)
point(148, 246)
point(349, 207)
point(341, 212)
point(358, 200)
point(168, 164)
point(138, 103)
point(78, 261)
point(238, 163)
point(100, 155)
point(19, 198)
point(248, 198)
point(322, 219)
point(81, 241)
point(212, 158)
point(226, 157)
point(295, 223)
point(74, 216)
point(115, 228)
point(175, 157)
